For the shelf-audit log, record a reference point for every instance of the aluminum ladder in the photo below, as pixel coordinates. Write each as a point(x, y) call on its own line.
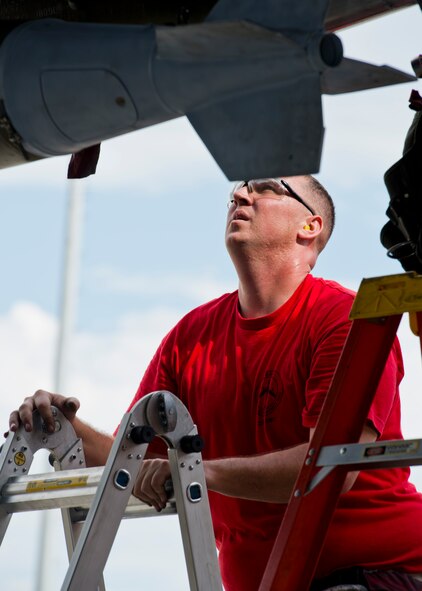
point(94, 500)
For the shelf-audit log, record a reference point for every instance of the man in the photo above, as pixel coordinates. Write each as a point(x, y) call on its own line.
point(253, 368)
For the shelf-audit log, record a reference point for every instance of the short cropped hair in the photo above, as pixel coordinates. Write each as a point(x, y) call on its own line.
point(324, 206)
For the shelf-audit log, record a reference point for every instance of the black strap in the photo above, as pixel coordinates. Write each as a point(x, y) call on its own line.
point(349, 576)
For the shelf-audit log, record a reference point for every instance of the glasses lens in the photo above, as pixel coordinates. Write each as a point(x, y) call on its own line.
point(261, 186)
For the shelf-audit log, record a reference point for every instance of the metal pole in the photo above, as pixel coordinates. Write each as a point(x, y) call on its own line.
point(44, 574)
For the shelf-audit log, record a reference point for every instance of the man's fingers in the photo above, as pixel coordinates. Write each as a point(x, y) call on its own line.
point(70, 407)
point(13, 421)
point(24, 413)
point(144, 495)
point(157, 483)
point(43, 400)
point(149, 486)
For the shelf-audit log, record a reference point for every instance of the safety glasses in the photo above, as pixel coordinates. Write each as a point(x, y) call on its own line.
point(273, 188)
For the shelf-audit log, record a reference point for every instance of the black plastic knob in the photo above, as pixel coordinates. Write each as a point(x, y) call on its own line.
point(142, 434)
point(192, 444)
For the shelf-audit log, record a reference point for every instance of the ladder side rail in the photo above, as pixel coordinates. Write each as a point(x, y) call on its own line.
point(72, 530)
point(75, 458)
point(169, 417)
point(342, 418)
point(104, 517)
point(195, 519)
point(11, 451)
point(195, 523)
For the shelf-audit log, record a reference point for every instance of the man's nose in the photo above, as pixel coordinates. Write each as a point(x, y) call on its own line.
point(243, 197)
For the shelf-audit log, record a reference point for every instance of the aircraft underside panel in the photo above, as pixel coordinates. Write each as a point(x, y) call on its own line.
point(67, 86)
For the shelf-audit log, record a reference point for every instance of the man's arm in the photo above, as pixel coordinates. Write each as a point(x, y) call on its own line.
point(267, 477)
point(97, 445)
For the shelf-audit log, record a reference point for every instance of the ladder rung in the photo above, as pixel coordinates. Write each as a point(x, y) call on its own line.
point(64, 490)
point(379, 454)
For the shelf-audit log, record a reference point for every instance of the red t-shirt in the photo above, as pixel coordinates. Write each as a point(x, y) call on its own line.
point(257, 385)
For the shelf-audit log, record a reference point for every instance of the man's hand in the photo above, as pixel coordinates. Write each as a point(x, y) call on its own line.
point(42, 401)
point(149, 486)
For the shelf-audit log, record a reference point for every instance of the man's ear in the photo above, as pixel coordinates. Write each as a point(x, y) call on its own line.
point(312, 228)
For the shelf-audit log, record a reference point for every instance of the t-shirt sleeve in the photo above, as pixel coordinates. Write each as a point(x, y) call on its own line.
point(159, 373)
point(325, 357)
point(325, 354)
point(387, 394)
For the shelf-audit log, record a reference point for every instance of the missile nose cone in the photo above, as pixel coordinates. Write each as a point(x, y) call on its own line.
point(331, 50)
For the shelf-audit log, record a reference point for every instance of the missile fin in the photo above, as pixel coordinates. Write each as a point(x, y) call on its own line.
point(352, 75)
point(266, 133)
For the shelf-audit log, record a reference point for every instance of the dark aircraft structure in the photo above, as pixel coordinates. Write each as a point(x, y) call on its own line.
point(402, 234)
point(248, 74)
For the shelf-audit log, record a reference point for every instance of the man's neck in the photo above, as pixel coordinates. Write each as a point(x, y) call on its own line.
point(265, 288)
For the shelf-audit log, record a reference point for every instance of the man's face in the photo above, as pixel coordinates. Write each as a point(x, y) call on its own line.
point(267, 215)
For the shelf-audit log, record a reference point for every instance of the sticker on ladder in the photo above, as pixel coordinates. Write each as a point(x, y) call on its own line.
point(56, 483)
point(20, 458)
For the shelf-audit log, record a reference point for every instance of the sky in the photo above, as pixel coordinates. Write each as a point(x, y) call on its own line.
point(152, 248)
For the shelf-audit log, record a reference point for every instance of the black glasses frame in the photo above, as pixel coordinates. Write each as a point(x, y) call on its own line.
point(286, 185)
point(296, 196)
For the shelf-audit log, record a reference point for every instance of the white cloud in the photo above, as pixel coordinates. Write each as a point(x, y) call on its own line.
point(103, 369)
point(364, 135)
point(198, 288)
point(27, 355)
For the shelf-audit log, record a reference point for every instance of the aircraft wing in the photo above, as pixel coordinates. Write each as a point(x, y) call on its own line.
point(297, 17)
point(339, 14)
point(343, 13)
